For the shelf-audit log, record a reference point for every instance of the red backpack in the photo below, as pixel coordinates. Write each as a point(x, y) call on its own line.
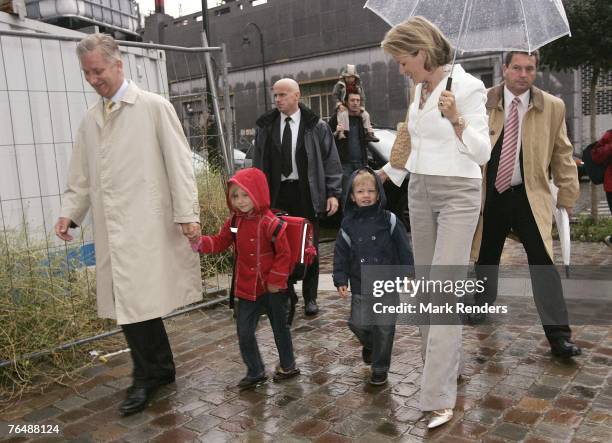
point(300, 238)
point(299, 234)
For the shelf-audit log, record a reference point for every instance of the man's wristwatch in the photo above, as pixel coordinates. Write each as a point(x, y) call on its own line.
point(459, 123)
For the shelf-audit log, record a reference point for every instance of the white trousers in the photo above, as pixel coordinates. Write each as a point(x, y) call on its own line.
point(443, 217)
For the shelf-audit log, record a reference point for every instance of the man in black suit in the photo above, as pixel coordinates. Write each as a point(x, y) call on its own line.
point(527, 129)
point(296, 151)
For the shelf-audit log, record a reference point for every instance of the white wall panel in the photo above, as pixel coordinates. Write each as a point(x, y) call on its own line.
point(13, 63)
point(9, 185)
point(2, 76)
point(20, 117)
point(47, 169)
point(41, 117)
point(54, 68)
point(6, 134)
point(60, 117)
point(34, 64)
point(27, 170)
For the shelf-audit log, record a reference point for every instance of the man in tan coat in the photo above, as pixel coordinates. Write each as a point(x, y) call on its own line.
point(527, 129)
point(131, 165)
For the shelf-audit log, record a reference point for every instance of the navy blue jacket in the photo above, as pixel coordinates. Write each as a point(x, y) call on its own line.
point(371, 240)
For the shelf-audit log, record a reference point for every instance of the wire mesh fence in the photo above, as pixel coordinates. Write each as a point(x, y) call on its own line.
point(47, 286)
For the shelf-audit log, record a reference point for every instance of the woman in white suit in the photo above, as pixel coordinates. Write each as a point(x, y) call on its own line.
point(449, 141)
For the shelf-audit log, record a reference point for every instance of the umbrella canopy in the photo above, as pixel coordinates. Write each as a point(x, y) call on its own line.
point(483, 25)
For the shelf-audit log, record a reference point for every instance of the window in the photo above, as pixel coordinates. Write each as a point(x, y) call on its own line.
point(485, 75)
point(318, 97)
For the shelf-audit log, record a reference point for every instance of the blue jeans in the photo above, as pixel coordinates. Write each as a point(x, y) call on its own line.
point(247, 318)
point(376, 337)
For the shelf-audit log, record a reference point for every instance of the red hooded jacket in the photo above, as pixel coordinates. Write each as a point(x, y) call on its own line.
point(257, 264)
point(601, 154)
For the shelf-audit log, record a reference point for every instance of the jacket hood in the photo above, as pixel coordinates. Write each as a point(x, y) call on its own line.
point(310, 118)
point(254, 183)
point(351, 208)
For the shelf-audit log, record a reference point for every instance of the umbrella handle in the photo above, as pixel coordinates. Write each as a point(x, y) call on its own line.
point(449, 83)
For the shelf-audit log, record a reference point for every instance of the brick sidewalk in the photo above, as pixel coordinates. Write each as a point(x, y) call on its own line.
point(513, 389)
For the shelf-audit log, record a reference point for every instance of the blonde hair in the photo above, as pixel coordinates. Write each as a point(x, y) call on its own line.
point(362, 177)
point(104, 42)
point(415, 34)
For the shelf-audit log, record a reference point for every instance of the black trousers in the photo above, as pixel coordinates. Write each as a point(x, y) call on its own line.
point(511, 211)
point(151, 353)
point(290, 200)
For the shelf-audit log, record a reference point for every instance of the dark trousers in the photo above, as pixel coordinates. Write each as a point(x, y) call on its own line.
point(247, 318)
point(151, 353)
point(609, 197)
point(511, 211)
point(377, 337)
point(290, 200)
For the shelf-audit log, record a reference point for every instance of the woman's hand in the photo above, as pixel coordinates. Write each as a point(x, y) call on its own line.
point(343, 291)
point(447, 106)
point(382, 175)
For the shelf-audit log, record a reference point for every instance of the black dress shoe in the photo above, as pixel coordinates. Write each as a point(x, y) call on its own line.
point(311, 308)
point(564, 348)
point(136, 400)
point(475, 318)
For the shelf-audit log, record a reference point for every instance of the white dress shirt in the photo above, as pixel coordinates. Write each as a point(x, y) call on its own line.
point(116, 99)
point(295, 127)
point(522, 109)
point(436, 149)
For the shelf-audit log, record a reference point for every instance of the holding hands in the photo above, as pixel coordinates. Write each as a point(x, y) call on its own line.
point(192, 231)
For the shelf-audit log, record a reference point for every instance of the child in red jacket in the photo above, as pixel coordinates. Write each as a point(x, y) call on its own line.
point(602, 155)
point(261, 272)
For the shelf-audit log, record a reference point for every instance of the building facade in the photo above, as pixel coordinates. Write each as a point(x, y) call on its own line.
point(311, 41)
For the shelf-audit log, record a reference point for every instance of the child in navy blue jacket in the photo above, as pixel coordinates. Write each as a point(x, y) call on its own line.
point(369, 235)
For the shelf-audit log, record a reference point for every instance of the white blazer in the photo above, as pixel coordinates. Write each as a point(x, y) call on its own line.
point(436, 150)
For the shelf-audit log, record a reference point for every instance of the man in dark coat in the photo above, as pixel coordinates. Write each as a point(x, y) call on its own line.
point(296, 151)
point(351, 141)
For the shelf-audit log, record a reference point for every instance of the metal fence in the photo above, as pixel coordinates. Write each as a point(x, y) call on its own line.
point(47, 287)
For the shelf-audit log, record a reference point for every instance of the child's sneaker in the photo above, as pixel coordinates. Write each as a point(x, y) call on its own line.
point(608, 241)
point(250, 382)
point(366, 356)
point(284, 374)
point(378, 378)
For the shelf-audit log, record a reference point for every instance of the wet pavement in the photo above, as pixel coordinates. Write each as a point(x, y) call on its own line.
point(512, 390)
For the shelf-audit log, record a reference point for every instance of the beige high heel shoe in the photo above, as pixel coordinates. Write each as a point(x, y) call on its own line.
point(440, 417)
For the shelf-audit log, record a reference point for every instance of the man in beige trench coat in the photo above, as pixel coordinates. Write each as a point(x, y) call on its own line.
point(131, 165)
point(529, 139)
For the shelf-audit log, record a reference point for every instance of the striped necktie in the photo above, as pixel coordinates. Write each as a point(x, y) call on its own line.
point(507, 158)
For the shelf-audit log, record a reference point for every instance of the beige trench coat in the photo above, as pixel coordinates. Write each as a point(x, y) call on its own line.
point(134, 170)
point(545, 148)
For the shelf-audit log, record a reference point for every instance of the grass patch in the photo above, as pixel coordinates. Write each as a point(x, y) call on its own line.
point(586, 230)
point(46, 301)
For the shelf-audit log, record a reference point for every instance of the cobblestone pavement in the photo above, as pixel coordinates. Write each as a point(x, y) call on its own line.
point(513, 390)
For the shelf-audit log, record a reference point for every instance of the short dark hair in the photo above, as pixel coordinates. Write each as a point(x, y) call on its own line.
point(353, 93)
point(535, 53)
